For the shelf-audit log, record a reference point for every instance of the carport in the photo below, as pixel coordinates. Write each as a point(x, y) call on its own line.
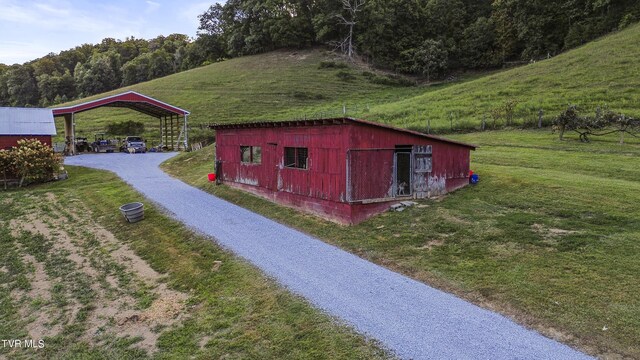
point(173, 120)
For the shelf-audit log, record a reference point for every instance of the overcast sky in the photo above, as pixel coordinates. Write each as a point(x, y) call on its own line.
point(32, 29)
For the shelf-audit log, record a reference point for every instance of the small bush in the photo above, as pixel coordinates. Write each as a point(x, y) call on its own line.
point(6, 164)
point(345, 76)
point(126, 128)
point(390, 80)
point(330, 64)
point(205, 136)
point(303, 95)
point(31, 161)
point(368, 74)
point(627, 21)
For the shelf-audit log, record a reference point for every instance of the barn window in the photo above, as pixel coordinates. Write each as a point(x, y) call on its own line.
point(296, 157)
point(251, 154)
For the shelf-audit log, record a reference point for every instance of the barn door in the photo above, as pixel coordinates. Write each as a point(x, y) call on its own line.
point(272, 166)
point(402, 173)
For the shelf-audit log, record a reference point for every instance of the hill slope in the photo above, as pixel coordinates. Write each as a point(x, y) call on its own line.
point(285, 85)
point(276, 85)
point(605, 72)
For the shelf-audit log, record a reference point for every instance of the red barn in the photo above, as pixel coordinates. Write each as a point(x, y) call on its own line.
point(25, 123)
point(342, 169)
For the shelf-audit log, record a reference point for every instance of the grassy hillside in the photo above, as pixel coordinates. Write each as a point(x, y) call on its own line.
point(548, 237)
point(286, 84)
point(605, 72)
point(278, 85)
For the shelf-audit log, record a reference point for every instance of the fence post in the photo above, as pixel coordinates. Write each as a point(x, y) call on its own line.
point(429, 126)
point(451, 120)
point(540, 115)
point(344, 109)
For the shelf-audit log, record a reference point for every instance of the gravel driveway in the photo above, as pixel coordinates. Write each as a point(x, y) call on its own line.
point(410, 318)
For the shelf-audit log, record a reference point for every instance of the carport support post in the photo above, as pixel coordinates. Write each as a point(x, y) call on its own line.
point(186, 133)
point(69, 134)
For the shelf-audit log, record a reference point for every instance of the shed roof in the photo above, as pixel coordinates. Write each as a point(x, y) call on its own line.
point(26, 121)
point(130, 99)
point(336, 121)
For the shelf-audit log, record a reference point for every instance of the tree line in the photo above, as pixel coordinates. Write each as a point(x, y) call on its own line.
point(92, 69)
point(427, 37)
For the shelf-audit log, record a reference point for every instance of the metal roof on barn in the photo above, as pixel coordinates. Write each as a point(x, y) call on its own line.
point(131, 100)
point(336, 121)
point(26, 121)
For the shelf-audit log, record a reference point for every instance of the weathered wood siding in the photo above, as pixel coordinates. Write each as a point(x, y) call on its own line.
point(322, 187)
point(450, 162)
point(324, 177)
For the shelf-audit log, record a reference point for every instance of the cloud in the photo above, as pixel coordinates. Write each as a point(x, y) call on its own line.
point(43, 26)
point(190, 13)
point(49, 17)
point(15, 52)
point(152, 6)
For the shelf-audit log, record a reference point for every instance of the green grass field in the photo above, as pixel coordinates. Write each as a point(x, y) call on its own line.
point(64, 279)
point(549, 236)
point(603, 73)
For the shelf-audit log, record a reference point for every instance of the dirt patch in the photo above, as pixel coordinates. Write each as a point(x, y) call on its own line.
point(506, 250)
point(95, 252)
point(7, 201)
point(431, 244)
point(38, 323)
point(551, 234)
point(168, 307)
point(51, 197)
point(299, 56)
point(52, 229)
point(449, 217)
point(166, 311)
point(204, 341)
point(40, 283)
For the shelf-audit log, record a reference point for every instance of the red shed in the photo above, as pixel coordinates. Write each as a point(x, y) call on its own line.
point(342, 169)
point(25, 123)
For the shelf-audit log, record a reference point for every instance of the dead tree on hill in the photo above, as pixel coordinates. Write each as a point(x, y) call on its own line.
point(352, 7)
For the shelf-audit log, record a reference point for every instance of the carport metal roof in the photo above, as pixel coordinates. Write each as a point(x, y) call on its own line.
point(132, 100)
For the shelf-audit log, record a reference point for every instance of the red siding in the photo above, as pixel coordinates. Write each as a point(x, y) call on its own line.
point(324, 178)
point(450, 161)
point(321, 189)
point(7, 141)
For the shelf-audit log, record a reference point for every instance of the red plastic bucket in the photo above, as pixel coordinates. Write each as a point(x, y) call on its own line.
point(212, 177)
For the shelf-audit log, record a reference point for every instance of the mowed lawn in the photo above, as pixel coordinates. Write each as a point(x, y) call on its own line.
point(74, 274)
point(550, 236)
